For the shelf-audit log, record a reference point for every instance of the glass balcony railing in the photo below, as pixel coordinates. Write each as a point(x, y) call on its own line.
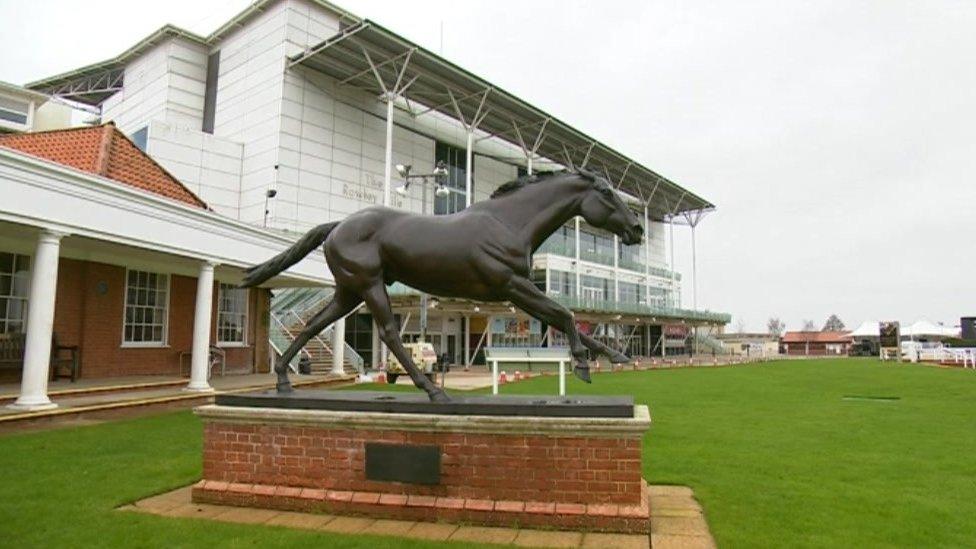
point(568, 250)
point(604, 306)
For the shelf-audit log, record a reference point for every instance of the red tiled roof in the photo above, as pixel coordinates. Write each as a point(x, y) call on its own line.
point(105, 151)
point(817, 337)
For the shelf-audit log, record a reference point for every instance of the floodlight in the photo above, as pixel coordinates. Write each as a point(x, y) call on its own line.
point(440, 169)
point(404, 171)
point(402, 189)
point(442, 191)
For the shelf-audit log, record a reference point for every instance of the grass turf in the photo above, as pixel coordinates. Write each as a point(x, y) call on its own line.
point(778, 454)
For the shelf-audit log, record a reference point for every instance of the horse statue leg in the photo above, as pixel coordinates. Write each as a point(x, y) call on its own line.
point(343, 303)
point(378, 302)
point(524, 294)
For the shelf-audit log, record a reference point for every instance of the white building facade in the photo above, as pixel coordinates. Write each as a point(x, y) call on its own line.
point(296, 112)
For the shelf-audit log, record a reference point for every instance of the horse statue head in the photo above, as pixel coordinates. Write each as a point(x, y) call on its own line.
point(603, 207)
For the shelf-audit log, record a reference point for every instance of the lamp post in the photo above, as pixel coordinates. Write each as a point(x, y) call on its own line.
point(439, 175)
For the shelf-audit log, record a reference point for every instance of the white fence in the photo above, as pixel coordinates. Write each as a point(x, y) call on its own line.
point(552, 355)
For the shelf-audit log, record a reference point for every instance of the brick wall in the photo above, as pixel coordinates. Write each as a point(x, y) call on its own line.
point(89, 312)
point(561, 469)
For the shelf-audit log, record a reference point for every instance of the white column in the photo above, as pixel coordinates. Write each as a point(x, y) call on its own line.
point(375, 345)
point(388, 174)
point(576, 225)
point(40, 324)
point(528, 164)
point(339, 346)
point(467, 169)
point(202, 313)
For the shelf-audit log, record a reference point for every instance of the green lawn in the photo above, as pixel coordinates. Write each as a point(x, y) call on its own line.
point(775, 453)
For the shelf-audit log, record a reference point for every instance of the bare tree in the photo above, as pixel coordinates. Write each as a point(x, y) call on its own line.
point(740, 326)
point(833, 324)
point(775, 326)
point(809, 326)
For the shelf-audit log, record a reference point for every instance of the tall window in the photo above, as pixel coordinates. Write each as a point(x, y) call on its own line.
point(210, 92)
point(14, 289)
point(231, 314)
point(456, 170)
point(146, 308)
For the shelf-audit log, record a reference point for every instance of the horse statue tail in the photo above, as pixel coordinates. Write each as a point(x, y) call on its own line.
point(312, 239)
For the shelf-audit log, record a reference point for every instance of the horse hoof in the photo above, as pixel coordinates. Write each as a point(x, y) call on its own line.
point(438, 396)
point(284, 387)
point(582, 373)
point(619, 358)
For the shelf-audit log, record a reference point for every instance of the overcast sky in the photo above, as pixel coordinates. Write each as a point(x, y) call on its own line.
point(838, 139)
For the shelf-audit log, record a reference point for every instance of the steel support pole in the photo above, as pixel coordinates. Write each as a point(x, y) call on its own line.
point(616, 268)
point(388, 177)
point(467, 341)
point(576, 225)
point(467, 169)
point(673, 280)
point(647, 258)
point(528, 165)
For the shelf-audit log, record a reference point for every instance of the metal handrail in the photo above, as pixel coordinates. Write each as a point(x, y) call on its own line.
point(293, 363)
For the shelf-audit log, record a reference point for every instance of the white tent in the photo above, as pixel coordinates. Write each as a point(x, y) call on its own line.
point(868, 328)
point(924, 328)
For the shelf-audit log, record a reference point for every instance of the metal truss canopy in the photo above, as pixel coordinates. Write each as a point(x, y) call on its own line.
point(367, 56)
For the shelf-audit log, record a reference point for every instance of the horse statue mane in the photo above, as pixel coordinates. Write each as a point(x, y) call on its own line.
point(532, 179)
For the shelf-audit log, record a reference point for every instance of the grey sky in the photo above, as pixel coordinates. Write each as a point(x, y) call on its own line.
point(838, 139)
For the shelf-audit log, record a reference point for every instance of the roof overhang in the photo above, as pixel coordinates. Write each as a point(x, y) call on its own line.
point(95, 83)
point(43, 194)
point(369, 57)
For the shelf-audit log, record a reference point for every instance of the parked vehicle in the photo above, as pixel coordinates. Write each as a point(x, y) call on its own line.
point(423, 355)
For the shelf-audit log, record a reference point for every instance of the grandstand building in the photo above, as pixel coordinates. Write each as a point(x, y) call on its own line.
point(297, 112)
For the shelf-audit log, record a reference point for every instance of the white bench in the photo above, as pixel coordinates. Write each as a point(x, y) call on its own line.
point(552, 355)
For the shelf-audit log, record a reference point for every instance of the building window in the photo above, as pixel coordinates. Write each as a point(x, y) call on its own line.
point(210, 92)
point(14, 289)
point(141, 138)
point(14, 111)
point(597, 248)
point(561, 242)
point(146, 308)
point(631, 293)
point(231, 314)
point(456, 170)
point(631, 257)
point(359, 335)
point(562, 283)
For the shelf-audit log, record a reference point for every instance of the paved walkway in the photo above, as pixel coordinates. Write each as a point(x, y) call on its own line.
point(676, 522)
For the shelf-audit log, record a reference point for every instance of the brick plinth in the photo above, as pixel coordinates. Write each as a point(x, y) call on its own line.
point(554, 472)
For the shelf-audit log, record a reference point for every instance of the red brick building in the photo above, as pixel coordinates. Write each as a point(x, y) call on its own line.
point(103, 249)
point(815, 343)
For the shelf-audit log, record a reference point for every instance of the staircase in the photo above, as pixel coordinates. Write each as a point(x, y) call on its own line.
point(290, 311)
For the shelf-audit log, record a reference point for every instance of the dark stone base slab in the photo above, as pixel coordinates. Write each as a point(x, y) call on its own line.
point(418, 403)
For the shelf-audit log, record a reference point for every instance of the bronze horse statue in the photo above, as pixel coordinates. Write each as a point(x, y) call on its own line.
point(482, 253)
